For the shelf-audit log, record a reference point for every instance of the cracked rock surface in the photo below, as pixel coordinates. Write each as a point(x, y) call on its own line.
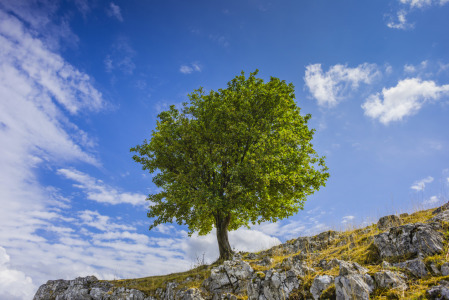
point(409, 240)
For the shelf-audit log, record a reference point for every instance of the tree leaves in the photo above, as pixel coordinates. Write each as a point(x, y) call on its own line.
point(243, 151)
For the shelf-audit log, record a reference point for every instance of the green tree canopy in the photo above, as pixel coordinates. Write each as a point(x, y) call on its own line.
point(238, 156)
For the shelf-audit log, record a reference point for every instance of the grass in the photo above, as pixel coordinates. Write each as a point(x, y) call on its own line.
point(353, 244)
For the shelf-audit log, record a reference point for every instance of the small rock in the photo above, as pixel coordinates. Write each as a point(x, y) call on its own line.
point(320, 283)
point(349, 268)
point(387, 222)
point(439, 292)
point(389, 279)
point(434, 269)
point(445, 269)
point(386, 265)
point(415, 266)
point(297, 265)
point(266, 261)
point(230, 277)
point(275, 285)
point(251, 256)
point(355, 286)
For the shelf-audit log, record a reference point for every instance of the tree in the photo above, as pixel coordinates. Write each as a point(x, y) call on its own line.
point(230, 158)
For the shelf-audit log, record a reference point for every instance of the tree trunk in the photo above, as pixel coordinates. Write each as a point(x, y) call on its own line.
point(222, 223)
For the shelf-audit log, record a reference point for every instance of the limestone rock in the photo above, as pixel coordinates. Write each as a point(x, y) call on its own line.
point(297, 265)
point(440, 217)
point(332, 264)
point(386, 265)
point(305, 245)
point(266, 261)
point(434, 269)
point(190, 294)
point(387, 222)
point(230, 277)
point(89, 288)
point(350, 268)
point(445, 269)
point(415, 266)
point(353, 286)
point(439, 292)
point(444, 207)
point(275, 285)
point(353, 282)
point(409, 239)
point(389, 279)
point(320, 283)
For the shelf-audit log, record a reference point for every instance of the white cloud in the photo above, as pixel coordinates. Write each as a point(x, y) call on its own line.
point(418, 68)
point(188, 69)
point(97, 191)
point(409, 69)
point(115, 11)
point(409, 5)
point(330, 87)
point(421, 184)
point(347, 219)
point(420, 3)
point(401, 22)
point(432, 200)
point(248, 240)
point(13, 284)
point(100, 222)
point(405, 99)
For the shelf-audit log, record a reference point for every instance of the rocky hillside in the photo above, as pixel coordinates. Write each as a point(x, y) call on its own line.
point(400, 257)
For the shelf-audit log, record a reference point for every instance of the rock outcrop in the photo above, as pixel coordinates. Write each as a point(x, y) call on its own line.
point(303, 268)
point(409, 240)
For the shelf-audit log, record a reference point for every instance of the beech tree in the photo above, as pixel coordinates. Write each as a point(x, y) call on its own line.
point(230, 158)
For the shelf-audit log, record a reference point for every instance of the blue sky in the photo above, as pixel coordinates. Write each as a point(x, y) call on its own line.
point(82, 81)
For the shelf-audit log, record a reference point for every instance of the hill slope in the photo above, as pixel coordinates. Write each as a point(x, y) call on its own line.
point(400, 257)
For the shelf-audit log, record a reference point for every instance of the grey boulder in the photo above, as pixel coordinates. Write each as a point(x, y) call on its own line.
point(389, 279)
point(320, 283)
point(408, 240)
point(230, 277)
point(415, 266)
point(387, 222)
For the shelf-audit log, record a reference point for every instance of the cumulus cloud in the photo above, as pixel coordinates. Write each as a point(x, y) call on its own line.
point(97, 191)
point(187, 69)
point(114, 11)
point(242, 239)
point(330, 87)
point(421, 184)
point(13, 284)
point(404, 99)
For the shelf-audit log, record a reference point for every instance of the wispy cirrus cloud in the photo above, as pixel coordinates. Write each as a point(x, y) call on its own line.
point(121, 57)
point(330, 87)
point(114, 11)
point(404, 99)
point(98, 191)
